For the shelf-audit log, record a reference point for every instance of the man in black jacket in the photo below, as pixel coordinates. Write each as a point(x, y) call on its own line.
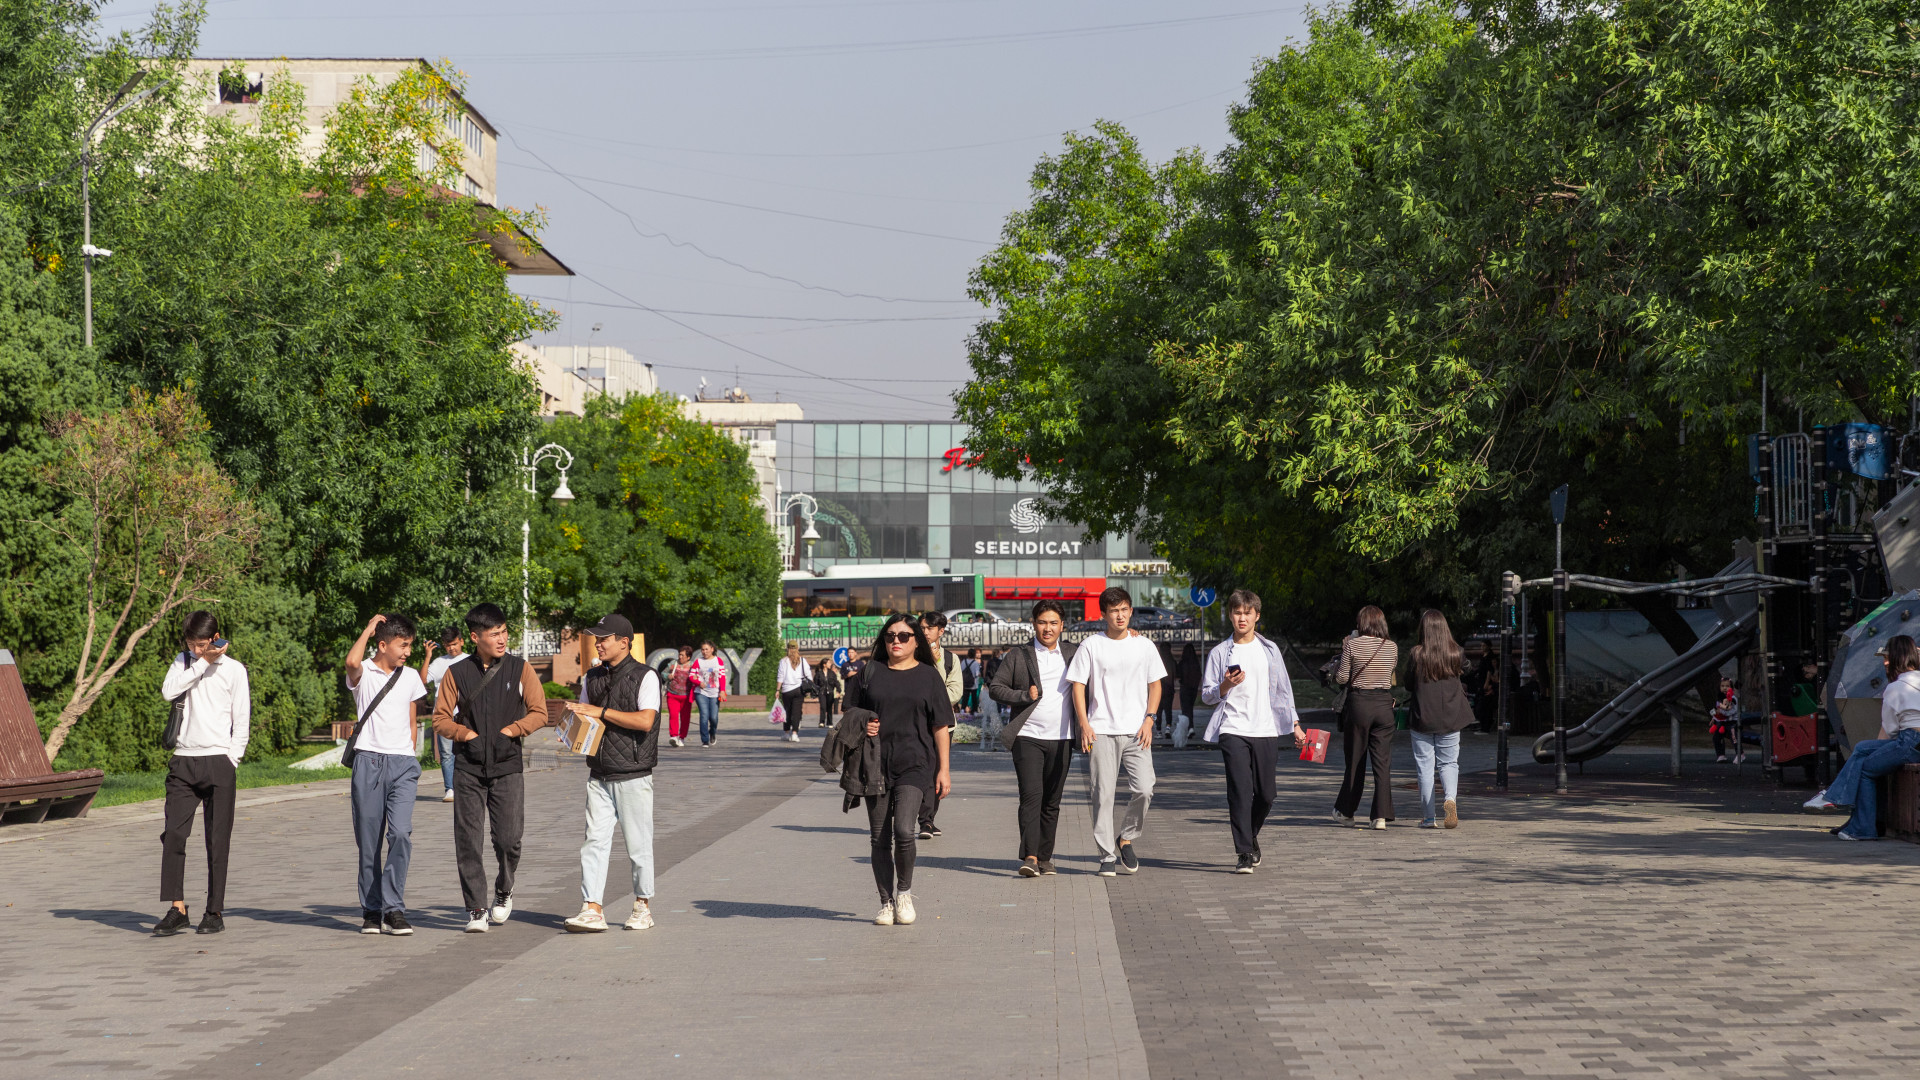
point(1031, 682)
point(624, 695)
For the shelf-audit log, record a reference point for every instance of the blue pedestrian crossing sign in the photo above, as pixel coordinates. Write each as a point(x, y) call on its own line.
point(841, 655)
point(1202, 596)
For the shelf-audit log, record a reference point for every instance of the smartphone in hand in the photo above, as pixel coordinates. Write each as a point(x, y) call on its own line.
point(219, 643)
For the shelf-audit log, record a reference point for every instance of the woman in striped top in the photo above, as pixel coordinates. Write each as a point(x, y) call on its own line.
point(1366, 665)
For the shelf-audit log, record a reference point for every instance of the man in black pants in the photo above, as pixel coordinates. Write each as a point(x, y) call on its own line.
point(1031, 682)
point(488, 703)
point(1246, 683)
point(219, 713)
point(934, 626)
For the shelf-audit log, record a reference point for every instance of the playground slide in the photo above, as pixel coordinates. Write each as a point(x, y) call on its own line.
point(1643, 701)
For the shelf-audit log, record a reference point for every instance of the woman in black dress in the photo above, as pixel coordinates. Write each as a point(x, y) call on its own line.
point(914, 726)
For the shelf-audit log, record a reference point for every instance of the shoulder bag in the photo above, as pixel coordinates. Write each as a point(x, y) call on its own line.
point(177, 716)
point(347, 755)
point(1340, 695)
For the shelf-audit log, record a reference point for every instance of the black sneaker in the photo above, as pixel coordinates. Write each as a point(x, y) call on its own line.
point(210, 923)
point(1109, 868)
point(1046, 868)
point(1128, 860)
point(369, 922)
point(1029, 868)
point(1245, 864)
point(926, 834)
point(1256, 856)
point(171, 923)
point(396, 924)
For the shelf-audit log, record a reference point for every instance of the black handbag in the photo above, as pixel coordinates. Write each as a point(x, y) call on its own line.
point(347, 755)
point(176, 717)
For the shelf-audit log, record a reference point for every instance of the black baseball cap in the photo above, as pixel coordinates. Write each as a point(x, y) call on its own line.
point(615, 625)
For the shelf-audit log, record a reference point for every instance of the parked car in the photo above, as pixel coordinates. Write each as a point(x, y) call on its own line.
point(1145, 618)
point(969, 628)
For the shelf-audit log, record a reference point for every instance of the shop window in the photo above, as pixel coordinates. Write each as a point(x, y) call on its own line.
point(828, 603)
point(860, 601)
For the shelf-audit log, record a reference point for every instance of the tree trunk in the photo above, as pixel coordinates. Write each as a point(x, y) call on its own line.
point(1665, 618)
point(69, 716)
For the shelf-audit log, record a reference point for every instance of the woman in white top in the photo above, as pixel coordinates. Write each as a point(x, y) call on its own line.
point(1365, 668)
point(793, 690)
point(1874, 758)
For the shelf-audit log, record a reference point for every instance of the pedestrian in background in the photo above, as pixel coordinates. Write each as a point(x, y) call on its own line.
point(791, 683)
point(624, 695)
point(432, 670)
point(970, 682)
point(1116, 689)
point(709, 681)
point(1163, 717)
point(386, 767)
point(679, 696)
point(1190, 680)
point(1898, 745)
point(1246, 683)
point(1438, 712)
point(933, 626)
point(1365, 667)
point(1032, 684)
point(828, 684)
point(914, 722)
point(212, 740)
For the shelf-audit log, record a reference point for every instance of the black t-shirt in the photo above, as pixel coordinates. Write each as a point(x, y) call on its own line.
point(912, 705)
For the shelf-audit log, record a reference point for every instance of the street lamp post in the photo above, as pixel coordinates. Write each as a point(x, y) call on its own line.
point(87, 250)
point(808, 508)
point(1559, 507)
point(530, 462)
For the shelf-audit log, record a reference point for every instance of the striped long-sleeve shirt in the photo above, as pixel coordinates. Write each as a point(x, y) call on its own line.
point(1367, 663)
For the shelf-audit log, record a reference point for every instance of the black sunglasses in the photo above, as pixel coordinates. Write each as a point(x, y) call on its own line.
point(899, 635)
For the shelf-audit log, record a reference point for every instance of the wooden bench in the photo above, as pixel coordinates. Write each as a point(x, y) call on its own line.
point(30, 791)
point(1903, 805)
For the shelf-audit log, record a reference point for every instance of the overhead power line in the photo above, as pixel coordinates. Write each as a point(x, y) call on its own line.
point(851, 319)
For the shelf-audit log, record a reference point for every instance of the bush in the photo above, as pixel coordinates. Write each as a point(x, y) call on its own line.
point(559, 692)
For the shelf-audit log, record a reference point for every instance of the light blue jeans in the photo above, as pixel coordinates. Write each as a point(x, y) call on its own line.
point(1429, 750)
point(1854, 787)
point(629, 803)
point(445, 746)
point(709, 717)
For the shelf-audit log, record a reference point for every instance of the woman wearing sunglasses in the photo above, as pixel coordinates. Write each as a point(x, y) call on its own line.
point(901, 686)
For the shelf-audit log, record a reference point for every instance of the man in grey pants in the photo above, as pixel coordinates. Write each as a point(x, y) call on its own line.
point(386, 770)
point(1116, 679)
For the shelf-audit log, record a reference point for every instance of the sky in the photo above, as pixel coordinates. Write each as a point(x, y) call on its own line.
point(790, 193)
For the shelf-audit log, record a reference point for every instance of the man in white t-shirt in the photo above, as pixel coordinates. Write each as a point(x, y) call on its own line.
point(432, 670)
point(1116, 689)
point(386, 767)
point(624, 694)
point(1246, 683)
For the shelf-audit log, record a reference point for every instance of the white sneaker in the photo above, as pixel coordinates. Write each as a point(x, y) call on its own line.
point(590, 921)
point(903, 912)
point(1343, 819)
point(502, 909)
point(642, 917)
point(476, 922)
point(448, 797)
point(885, 918)
point(1379, 824)
point(1818, 802)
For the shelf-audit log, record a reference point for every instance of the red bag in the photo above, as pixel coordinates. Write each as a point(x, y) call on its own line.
point(1314, 746)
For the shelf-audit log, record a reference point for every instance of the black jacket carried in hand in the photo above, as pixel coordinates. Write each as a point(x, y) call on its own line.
point(625, 753)
point(1013, 682)
point(855, 755)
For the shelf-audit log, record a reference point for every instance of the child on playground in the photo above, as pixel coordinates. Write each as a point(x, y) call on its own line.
point(1724, 724)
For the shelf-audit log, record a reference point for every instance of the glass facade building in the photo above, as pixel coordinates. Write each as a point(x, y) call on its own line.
point(900, 492)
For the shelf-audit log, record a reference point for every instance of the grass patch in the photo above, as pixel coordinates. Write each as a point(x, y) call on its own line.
point(132, 787)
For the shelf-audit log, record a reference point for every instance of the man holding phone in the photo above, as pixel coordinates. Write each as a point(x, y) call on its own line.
point(218, 721)
point(1246, 682)
point(1116, 690)
point(1032, 683)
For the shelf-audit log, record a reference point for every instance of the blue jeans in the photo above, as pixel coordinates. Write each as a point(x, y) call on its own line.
point(1430, 751)
point(445, 746)
point(709, 717)
point(1854, 787)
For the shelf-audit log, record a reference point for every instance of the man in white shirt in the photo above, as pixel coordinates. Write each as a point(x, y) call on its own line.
point(1116, 690)
point(1246, 682)
point(1032, 682)
point(432, 669)
point(386, 768)
point(219, 713)
point(624, 694)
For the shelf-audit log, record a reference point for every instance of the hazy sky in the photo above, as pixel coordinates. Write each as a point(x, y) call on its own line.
point(735, 125)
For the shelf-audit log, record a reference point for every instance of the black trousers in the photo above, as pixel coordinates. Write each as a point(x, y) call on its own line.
point(197, 782)
point(826, 710)
point(1041, 766)
point(480, 806)
point(929, 806)
point(1250, 786)
point(794, 702)
point(1368, 739)
point(896, 812)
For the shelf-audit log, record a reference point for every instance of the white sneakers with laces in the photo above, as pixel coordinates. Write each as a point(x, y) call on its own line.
point(590, 921)
point(885, 918)
point(903, 913)
point(476, 922)
point(1818, 802)
point(642, 917)
point(502, 909)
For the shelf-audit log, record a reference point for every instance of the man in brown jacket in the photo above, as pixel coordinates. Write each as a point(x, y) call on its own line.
point(488, 703)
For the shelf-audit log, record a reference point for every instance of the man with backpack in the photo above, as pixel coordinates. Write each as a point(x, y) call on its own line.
point(934, 626)
point(488, 703)
point(624, 695)
point(386, 768)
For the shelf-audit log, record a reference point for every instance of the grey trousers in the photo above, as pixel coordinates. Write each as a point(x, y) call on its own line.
point(496, 806)
point(1110, 754)
point(383, 788)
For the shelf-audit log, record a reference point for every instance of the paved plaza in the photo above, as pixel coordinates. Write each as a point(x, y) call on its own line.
point(1635, 928)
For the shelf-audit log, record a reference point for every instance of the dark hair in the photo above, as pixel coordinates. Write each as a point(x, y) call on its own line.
point(1372, 622)
point(1902, 655)
point(1047, 605)
point(688, 649)
point(1187, 651)
point(933, 620)
point(485, 617)
point(450, 635)
point(396, 626)
point(1243, 598)
point(973, 654)
point(709, 645)
point(1113, 598)
point(1437, 657)
point(922, 651)
point(197, 625)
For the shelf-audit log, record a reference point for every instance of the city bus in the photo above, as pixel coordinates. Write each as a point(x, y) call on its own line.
point(845, 604)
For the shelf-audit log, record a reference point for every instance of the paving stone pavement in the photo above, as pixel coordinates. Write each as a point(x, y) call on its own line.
point(1702, 930)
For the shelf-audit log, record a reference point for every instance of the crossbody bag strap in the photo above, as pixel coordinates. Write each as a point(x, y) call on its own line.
point(1354, 674)
point(372, 705)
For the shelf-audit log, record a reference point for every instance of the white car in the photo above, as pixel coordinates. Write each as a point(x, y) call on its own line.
point(969, 628)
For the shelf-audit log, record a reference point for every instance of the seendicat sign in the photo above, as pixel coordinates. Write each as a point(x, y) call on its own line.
point(1063, 548)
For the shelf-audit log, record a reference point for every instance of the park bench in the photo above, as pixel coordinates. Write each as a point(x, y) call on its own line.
point(30, 791)
point(1903, 805)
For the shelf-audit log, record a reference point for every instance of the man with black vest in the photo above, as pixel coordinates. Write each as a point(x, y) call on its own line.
point(1031, 682)
point(488, 703)
point(624, 695)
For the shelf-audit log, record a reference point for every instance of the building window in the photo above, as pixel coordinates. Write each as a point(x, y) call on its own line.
point(474, 137)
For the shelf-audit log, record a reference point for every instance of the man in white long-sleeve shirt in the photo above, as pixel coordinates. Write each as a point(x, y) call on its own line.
point(218, 714)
